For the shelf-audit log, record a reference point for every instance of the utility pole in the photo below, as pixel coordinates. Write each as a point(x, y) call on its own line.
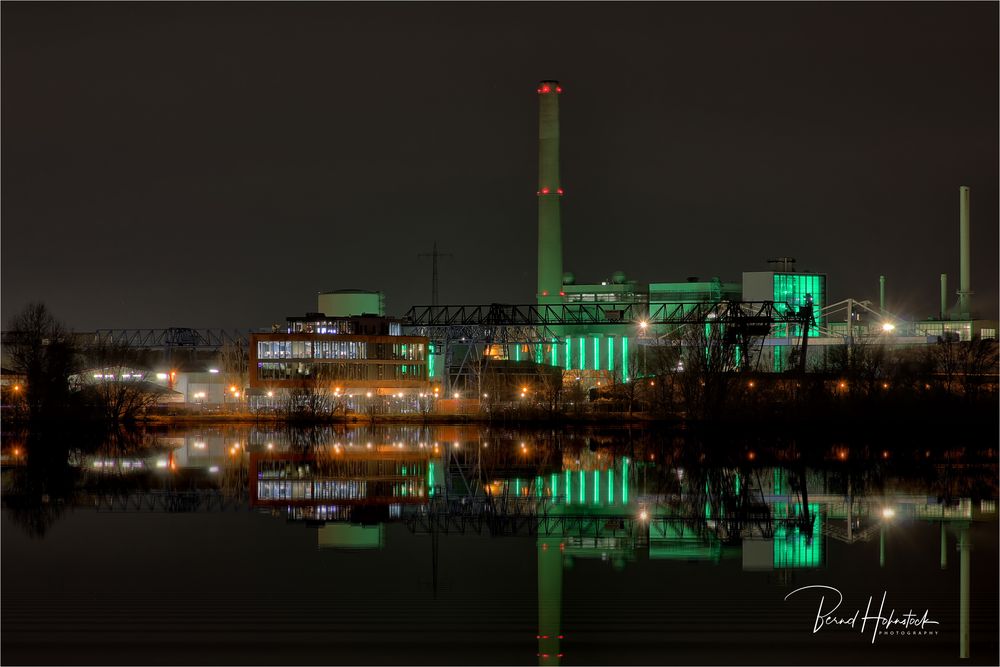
point(434, 255)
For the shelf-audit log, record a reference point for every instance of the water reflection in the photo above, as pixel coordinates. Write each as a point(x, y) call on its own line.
point(612, 496)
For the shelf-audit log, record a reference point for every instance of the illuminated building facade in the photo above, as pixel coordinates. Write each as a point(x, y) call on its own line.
point(350, 353)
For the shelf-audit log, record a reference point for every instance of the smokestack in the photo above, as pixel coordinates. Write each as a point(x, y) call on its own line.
point(964, 289)
point(881, 294)
point(550, 270)
point(944, 296)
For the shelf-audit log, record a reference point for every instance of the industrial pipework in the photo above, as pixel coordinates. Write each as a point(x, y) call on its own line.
point(964, 288)
point(550, 271)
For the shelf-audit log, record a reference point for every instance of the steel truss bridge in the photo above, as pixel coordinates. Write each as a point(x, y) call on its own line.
point(169, 501)
point(464, 333)
point(171, 337)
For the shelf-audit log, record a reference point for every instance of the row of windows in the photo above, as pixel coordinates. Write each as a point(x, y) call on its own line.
point(339, 371)
point(579, 298)
point(347, 327)
point(338, 349)
point(310, 490)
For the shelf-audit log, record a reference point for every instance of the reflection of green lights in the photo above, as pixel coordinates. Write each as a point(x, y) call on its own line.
point(597, 486)
point(517, 486)
point(625, 481)
point(554, 481)
point(569, 488)
point(430, 478)
point(538, 486)
point(611, 486)
point(793, 547)
point(583, 483)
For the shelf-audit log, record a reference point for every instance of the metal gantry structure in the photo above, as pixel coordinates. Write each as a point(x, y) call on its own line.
point(171, 337)
point(463, 333)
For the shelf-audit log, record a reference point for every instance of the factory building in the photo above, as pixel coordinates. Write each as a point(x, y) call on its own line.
point(354, 355)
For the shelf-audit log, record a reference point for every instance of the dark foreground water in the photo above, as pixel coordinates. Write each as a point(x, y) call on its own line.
point(465, 546)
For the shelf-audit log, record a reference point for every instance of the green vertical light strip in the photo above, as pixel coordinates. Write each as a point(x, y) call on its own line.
point(430, 479)
point(539, 485)
point(538, 353)
point(583, 485)
point(708, 505)
point(611, 354)
point(566, 362)
point(624, 358)
point(555, 353)
point(708, 337)
point(569, 488)
point(554, 481)
point(597, 487)
point(517, 353)
point(597, 353)
point(430, 360)
point(611, 486)
point(737, 484)
point(580, 363)
point(517, 487)
point(625, 481)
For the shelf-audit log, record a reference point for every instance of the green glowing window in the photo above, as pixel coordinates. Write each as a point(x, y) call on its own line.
point(790, 290)
point(611, 354)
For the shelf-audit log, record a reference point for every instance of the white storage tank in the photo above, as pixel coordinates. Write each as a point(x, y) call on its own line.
point(347, 302)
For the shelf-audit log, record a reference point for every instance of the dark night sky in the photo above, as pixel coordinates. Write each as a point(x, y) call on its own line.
point(217, 165)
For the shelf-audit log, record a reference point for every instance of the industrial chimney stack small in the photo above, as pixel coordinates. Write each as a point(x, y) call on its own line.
point(964, 288)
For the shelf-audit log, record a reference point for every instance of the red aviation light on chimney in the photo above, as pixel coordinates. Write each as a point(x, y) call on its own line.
point(545, 89)
point(559, 191)
point(558, 89)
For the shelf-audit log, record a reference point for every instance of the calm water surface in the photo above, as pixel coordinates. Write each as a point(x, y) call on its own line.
point(456, 545)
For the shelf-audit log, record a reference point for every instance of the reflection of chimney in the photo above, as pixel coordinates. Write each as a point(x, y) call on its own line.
point(549, 193)
point(944, 296)
point(964, 289)
point(881, 295)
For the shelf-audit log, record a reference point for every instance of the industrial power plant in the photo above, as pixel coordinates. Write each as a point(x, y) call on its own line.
point(595, 334)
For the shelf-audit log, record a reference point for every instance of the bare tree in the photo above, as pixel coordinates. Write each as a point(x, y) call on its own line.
point(42, 350)
point(114, 383)
point(235, 365)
